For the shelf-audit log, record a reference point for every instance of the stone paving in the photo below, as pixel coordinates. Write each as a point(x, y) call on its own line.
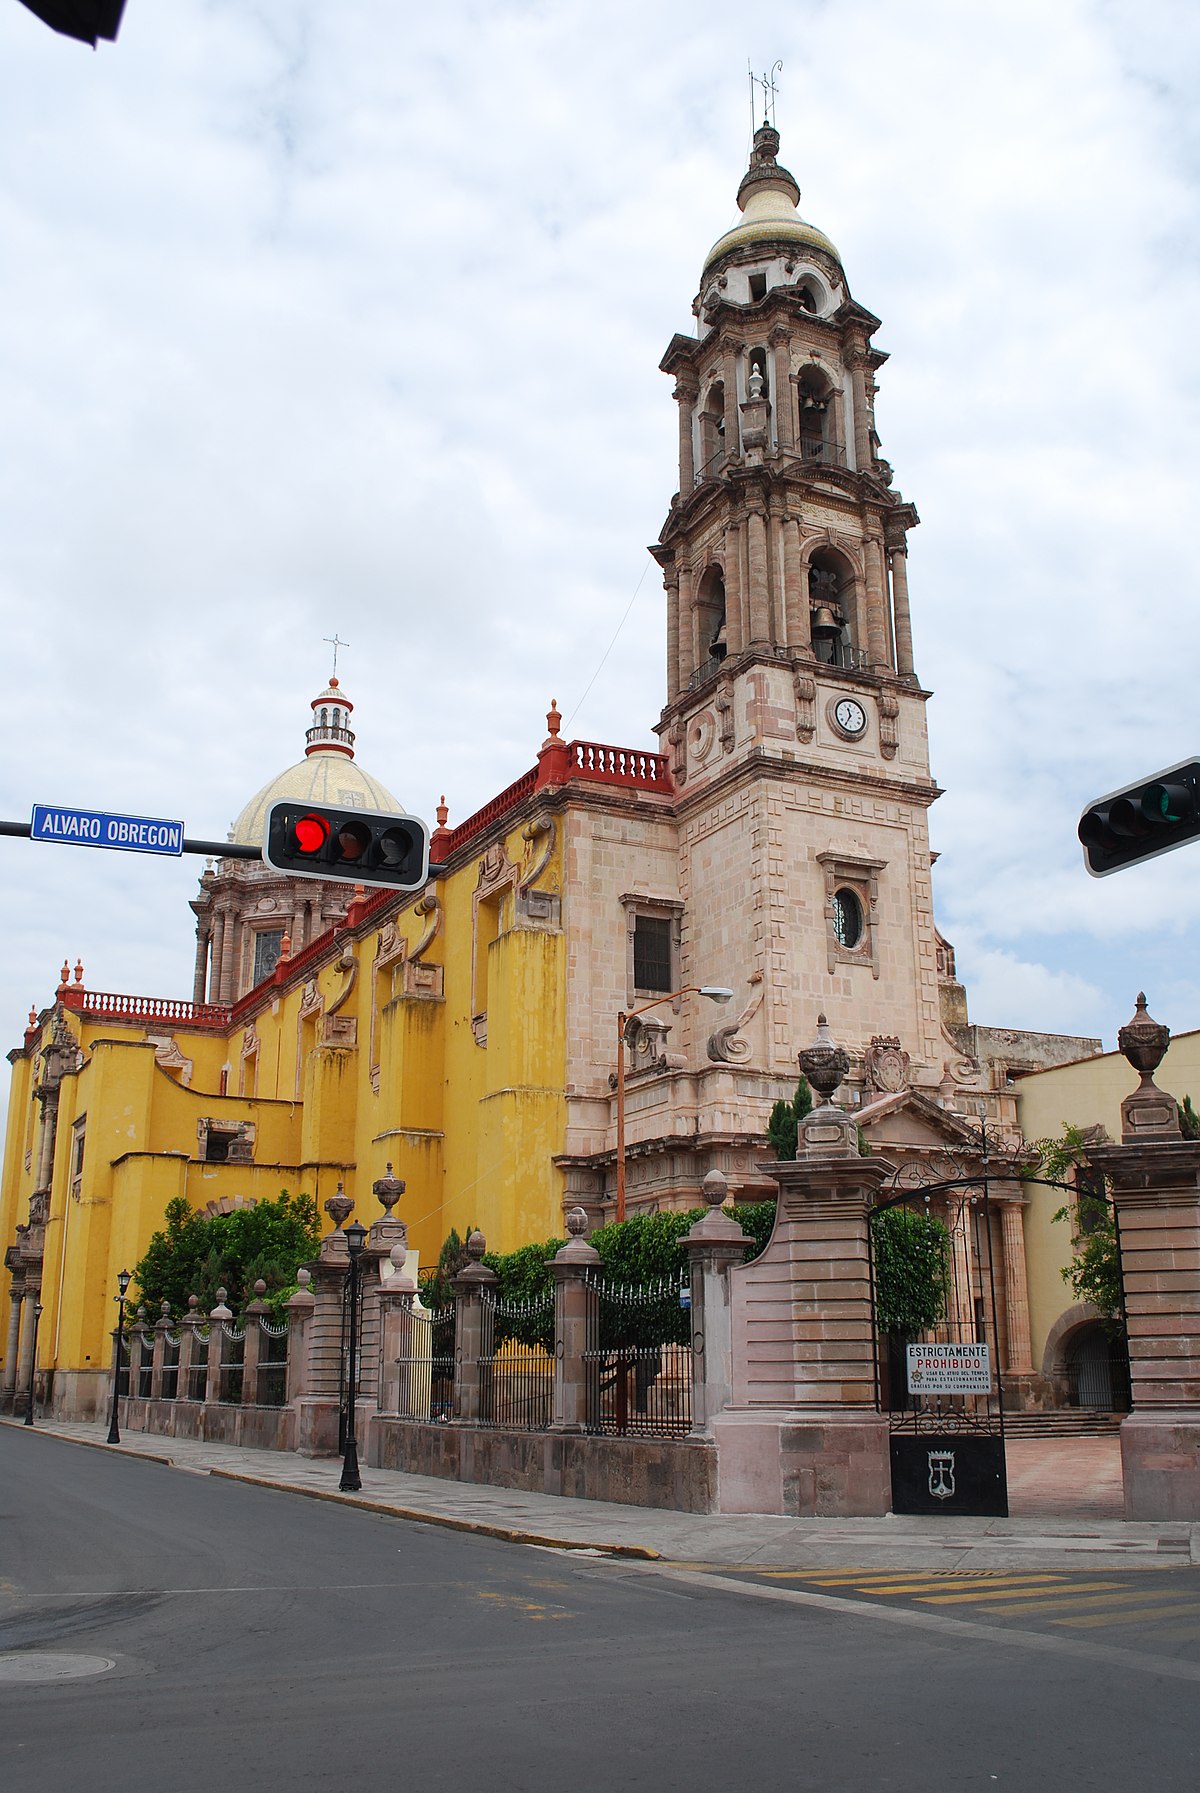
point(1066, 1506)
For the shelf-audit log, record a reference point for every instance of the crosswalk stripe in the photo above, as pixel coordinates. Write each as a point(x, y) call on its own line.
point(1090, 1620)
point(1083, 1587)
point(1109, 1601)
point(982, 1588)
point(904, 1579)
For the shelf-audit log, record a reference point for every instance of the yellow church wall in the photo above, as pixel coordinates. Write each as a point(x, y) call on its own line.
point(1086, 1093)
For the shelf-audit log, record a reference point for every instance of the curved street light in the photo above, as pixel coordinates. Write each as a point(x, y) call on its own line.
point(714, 993)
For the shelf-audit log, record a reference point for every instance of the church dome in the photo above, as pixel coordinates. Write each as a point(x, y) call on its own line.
point(768, 199)
point(328, 773)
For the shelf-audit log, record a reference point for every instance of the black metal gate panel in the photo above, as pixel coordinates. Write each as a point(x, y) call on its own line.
point(638, 1361)
point(516, 1363)
point(939, 1382)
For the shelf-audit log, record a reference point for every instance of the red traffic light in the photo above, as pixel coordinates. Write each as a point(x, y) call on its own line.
point(309, 834)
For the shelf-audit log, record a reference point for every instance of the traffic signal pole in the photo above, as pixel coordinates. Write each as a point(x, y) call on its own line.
point(228, 849)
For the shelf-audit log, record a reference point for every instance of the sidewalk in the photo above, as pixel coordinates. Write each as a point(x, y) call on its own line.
point(1049, 1540)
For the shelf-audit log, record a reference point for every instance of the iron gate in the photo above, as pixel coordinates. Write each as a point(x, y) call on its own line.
point(933, 1261)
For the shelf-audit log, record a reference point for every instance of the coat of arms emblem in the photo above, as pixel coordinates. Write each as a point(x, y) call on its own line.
point(941, 1474)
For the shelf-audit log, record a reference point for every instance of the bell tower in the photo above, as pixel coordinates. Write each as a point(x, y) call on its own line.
point(794, 720)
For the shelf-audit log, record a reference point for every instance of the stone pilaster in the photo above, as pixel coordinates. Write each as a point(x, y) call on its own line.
point(1016, 1289)
point(469, 1287)
point(575, 1303)
point(8, 1379)
point(715, 1244)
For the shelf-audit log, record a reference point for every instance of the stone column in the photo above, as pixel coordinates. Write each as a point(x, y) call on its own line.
point(877, 634)
point(862, 415)
point(760, 590)
point(469, 1287)
point(901, 616)
point(1154, 1175)
point(795, 591)
point(200, 978)
point(802, 1434)
point(686, 394)
point(685, 631)
point(216, 981)
point(191, 1348)
point(161, 1328)
point(733, 439)
point(397, 1392)
point(671, 587)
point(785, 393)
point(735, 638)
point(300, 1312)
point(30, 1297)
point(575, 1305)
point(715, 1244)
point(8, 1381)
point(1016, 1289)
point(256, 1310)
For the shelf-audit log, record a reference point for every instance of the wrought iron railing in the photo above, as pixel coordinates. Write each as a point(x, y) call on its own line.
point(638, 1360)
point(516, 1367)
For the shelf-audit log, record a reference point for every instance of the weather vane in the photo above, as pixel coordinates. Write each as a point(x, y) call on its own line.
point(769, 92)
point(335, 644)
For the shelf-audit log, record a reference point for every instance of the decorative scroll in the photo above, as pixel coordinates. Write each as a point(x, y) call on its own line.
point(723, 1045)
point(889, 733)
point(806, 702)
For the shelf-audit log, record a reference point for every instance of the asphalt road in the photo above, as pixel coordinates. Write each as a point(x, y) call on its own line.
point(262, 1641)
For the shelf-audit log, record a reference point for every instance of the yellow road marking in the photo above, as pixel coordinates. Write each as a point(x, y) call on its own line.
point(1082, 1587)
point(1068, 1597)
point(927, 1585)
point(1091, 1620)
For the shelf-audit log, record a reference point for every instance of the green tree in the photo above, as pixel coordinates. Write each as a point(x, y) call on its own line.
point(783, 1123)
point(1189, 1120)
point(911, 1253)
point(1094, 1272)
point(196, 1254)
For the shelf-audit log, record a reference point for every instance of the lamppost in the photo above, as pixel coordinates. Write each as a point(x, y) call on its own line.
point(123, 1281)
point(351, 1481)
point(715, 993)
point(37, 1314)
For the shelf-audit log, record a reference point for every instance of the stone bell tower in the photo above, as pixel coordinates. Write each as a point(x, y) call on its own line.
point(794, 720)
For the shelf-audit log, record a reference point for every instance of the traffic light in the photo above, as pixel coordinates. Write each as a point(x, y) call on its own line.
point(85, 20)
point(1142, 820)
point(357, 846)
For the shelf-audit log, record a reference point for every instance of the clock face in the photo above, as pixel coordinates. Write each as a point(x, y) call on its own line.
point(850, 716)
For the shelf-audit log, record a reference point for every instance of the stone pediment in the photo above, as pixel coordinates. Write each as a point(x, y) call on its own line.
point(914, 1122)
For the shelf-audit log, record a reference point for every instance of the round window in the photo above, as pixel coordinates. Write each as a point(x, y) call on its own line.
point(847, 919)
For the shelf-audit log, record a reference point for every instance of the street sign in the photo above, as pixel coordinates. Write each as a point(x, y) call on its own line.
point(949, 1370)
point(93, 828)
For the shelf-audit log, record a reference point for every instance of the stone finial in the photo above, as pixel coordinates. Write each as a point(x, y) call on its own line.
point(824, 1063)
point(399, 1254)
point(285, 946)
point(164, 1308)
point(476, 1245)
point(32, 1020)
point(64, 977)
point(143, 1313)
point(260, 1287)
point(339, 1206)
point(193, 1303)
point(303, 1277)
point(1149, 1113)
point(387, 1190)
point(576, 1251)
point(577, 1223)
point(78, 971)
point(553, 723)
point(715, 1189)
point(754, 385)
point(1143, 1042)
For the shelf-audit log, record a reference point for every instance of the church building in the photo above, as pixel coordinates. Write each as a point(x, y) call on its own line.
point(775, 845)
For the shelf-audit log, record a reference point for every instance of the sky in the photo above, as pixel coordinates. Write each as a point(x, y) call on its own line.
point(348, 318)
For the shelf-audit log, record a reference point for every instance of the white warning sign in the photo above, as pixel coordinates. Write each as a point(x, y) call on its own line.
point(949, 1370)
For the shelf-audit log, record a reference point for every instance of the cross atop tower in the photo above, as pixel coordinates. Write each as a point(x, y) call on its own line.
point(769, 93)
point(335, 644)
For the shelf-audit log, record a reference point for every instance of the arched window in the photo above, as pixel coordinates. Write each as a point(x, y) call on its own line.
point(712, 431)
point(337, 719)
point(847, 919)
point(815, 398)
point(711, 607)
point(324, 718)
point(807, 297)
point(831, 605)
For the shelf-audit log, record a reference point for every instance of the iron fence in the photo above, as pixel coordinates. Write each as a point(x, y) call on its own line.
point(638, 1360)
point(169, 1388)
point(272, 1363)
point(197, 1370)
point(233, 1355)
point(425, 1364)
point(516, 1363)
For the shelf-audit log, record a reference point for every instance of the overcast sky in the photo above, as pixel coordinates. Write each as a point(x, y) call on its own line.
point(348, 317)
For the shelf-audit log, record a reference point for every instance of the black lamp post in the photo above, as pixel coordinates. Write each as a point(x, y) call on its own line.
point(351, 1482)
point(37, 1314)
point(123, 1280)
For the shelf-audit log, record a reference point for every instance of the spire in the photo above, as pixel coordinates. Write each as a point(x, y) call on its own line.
point(764, 173)
point(330, 731)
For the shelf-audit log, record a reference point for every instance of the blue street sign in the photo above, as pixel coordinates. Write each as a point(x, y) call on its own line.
point(92, 828)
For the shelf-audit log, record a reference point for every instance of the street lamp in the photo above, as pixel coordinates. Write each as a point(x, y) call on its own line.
point(715, 993)
point(123, 1281)
point(37, 1314)
point(351, 1481)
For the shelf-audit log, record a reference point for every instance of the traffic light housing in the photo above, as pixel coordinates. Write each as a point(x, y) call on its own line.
point(356, 846)
point(1142, 820)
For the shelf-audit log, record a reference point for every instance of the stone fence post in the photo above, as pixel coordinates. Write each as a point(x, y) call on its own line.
point(300, 1312)
point(252, 1343)
point(469, 1286)
point(714, 1245)
point(216, 1348)
point(1154, 1175)
point(573, 1268)
point(396, 1295)
point(161, 1327)
point(190, 1348)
